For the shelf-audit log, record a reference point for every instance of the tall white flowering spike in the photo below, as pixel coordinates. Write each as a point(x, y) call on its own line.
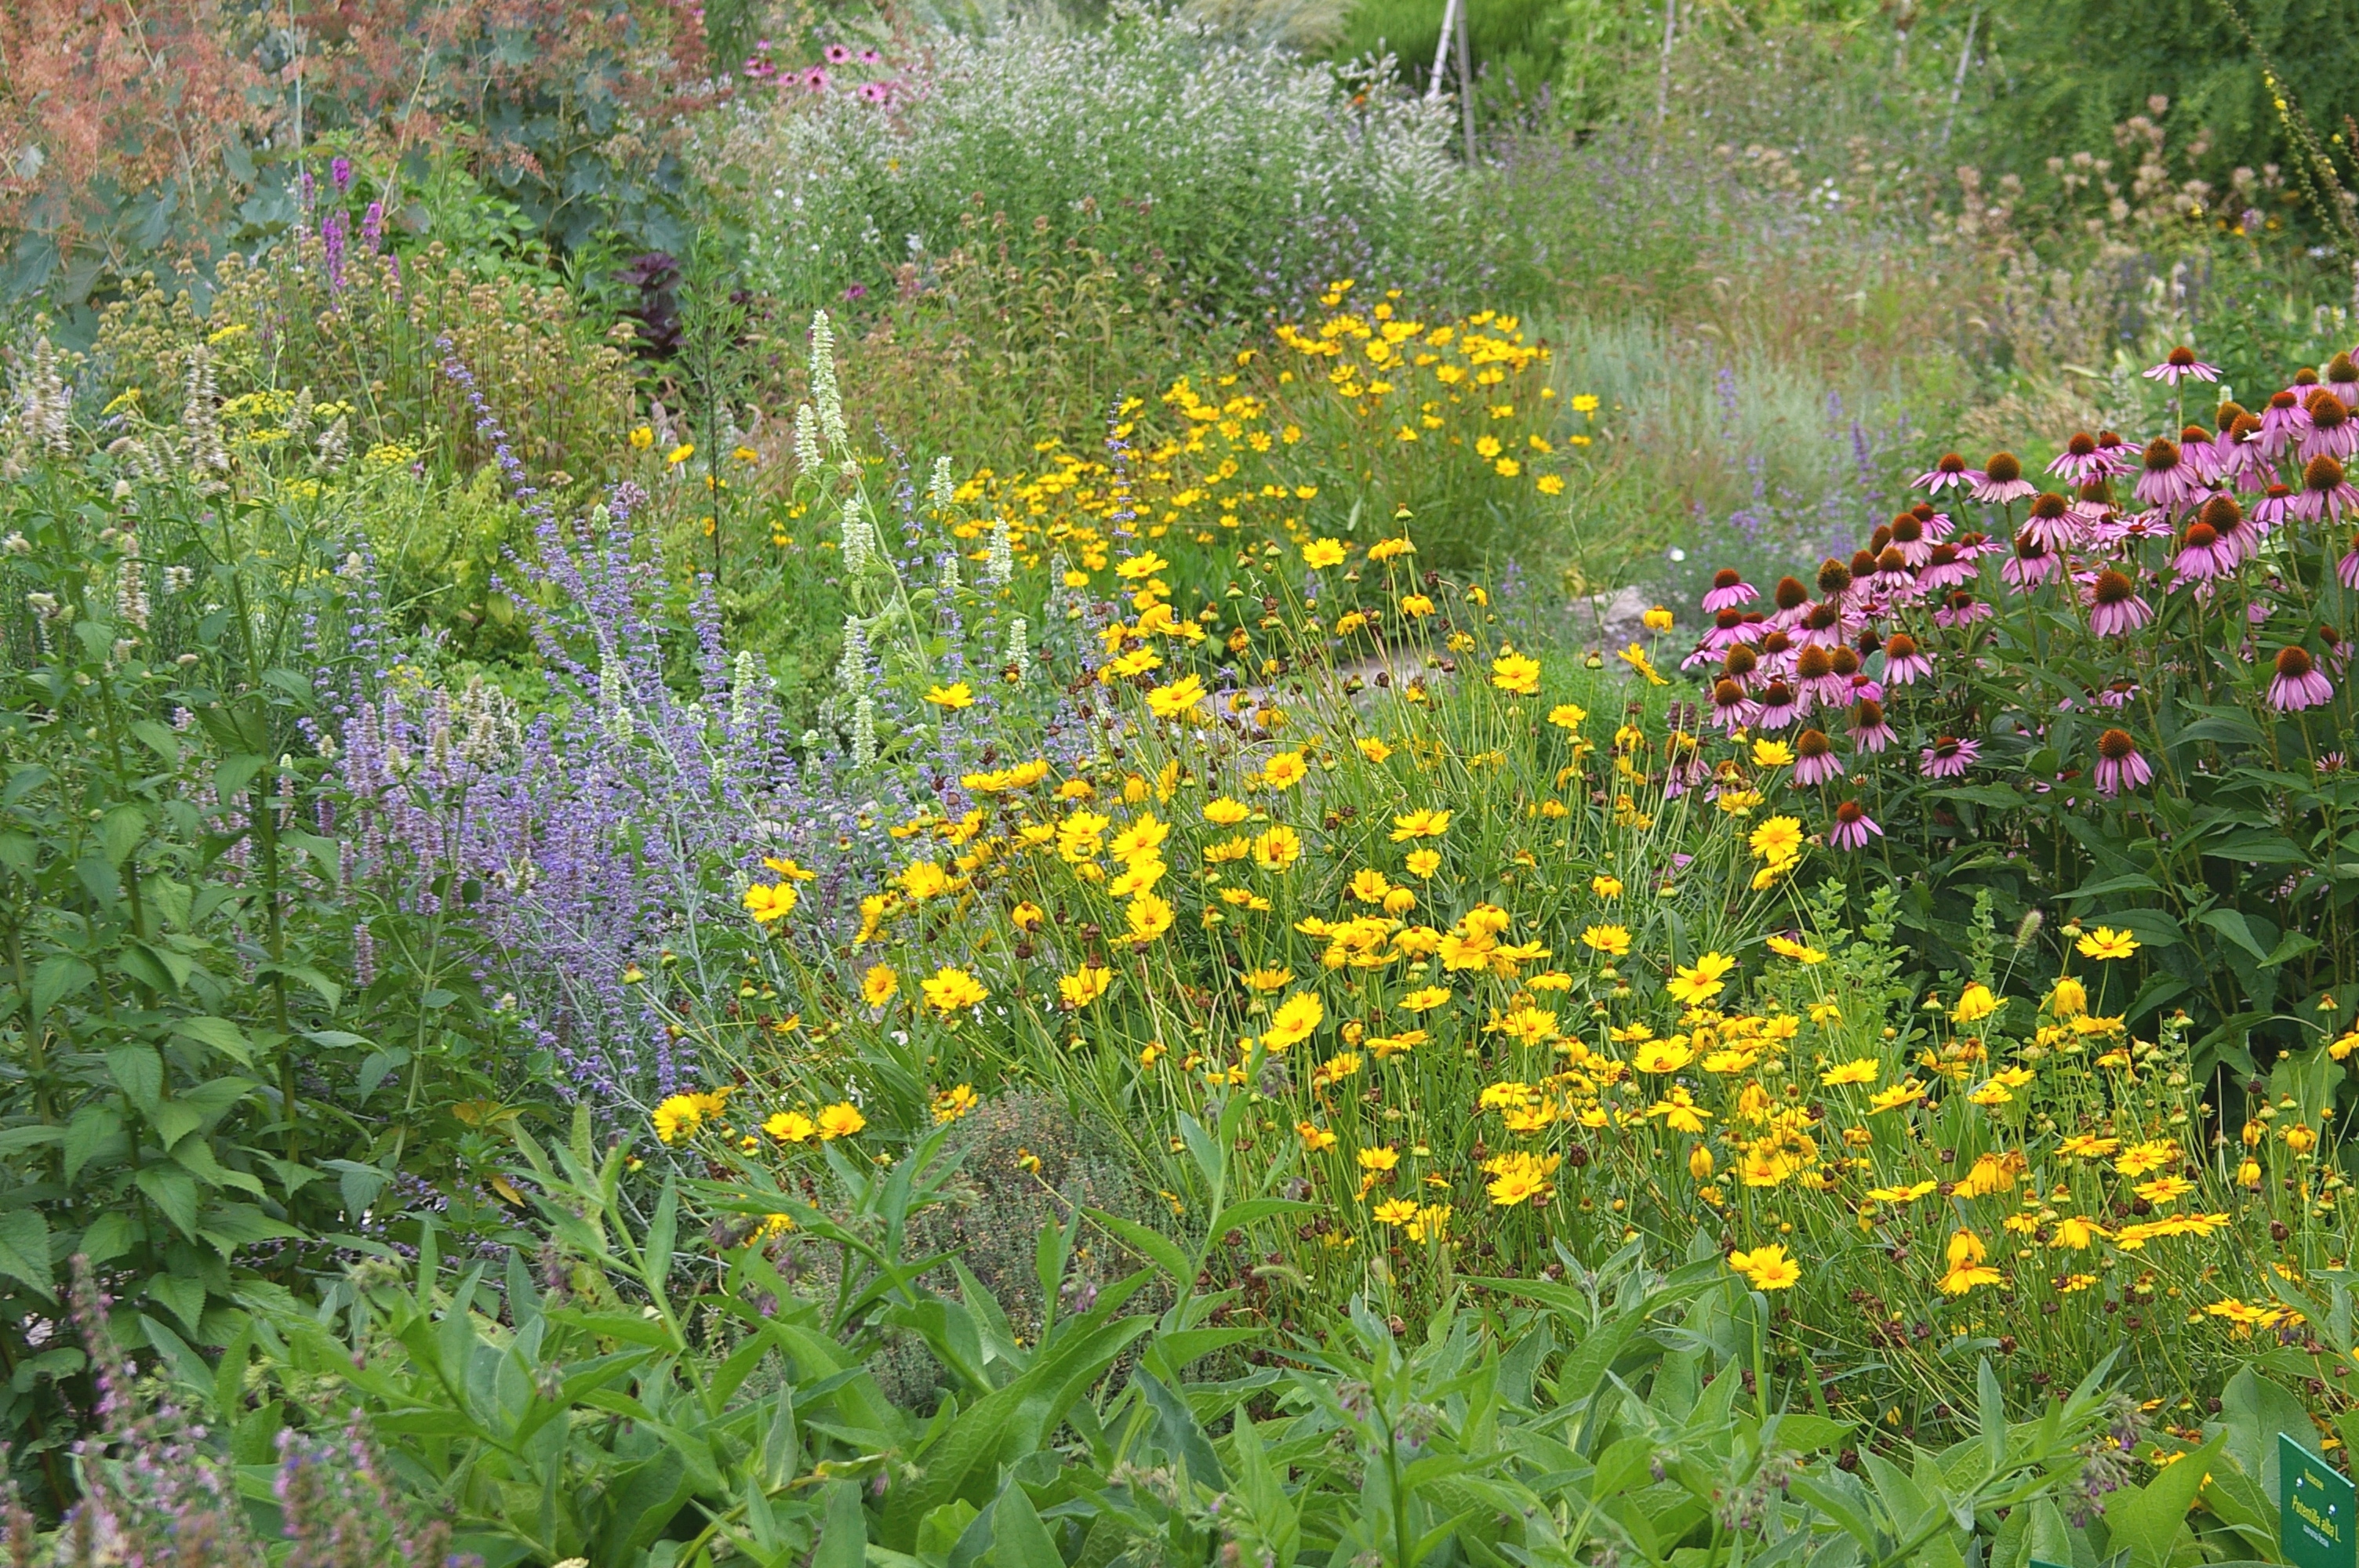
point(824, 392)
point(1019, 648)
point(863, 732)
point(852, 669)
point(808, 454)
point(999, 564)
point(942, 489)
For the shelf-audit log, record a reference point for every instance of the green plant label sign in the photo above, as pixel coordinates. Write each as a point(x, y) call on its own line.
point(2315, 1500)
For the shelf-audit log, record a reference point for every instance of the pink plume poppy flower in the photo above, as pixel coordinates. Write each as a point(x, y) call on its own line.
point(1851, 828)
point(2120, 765)
point(2299, 684)
point(2181, 364)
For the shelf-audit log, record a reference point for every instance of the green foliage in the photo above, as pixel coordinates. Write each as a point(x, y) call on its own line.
point(2074, 70)
point(198, 1091)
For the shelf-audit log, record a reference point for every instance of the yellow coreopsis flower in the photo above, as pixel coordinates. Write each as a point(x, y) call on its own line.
point(1614, 941)
point(952, 1105)
point(1084, 985)
point(1767, 1268)
point(840, 1120)
point(771, 903)
point(1778, 839)
point(1177, 699)
point(951, 697)
point(1517, 673)
point(1223, 812)
point(1285, 770)
point(791, 1127)
point(1695, 984)
point(1975, 1004)
point(1319, 553)
point(1862, 1070)
point(2105, 944)
point(953, 990)
point(879, 985)
point(1146, 916)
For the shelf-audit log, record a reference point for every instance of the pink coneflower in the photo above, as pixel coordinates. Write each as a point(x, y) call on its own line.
point(2166, 480)
point(2283, 423)
point(2343, 380)
point(2001, 480)
point(1943, 570)
point(2347, 569)
point(1907, 534)
point(2119, 765)
point(1814, 759)
point(1729, 590)
point(2199, 556)
point(2179, 365)
point(1949, 757)
point(1869, 733)
point(870, 57)
point(1739, 666)
point(1729, 628)
point(2299, 684)
point(875, 92)
point(2114, 607)
point(1823, 626)
point(2032, 565)
point(1851, 828)
point(2331, 432)
point(1814, 672)
point(1974, 545)
point(1903, 664)
point(2118, 695)
point(2242, 462)
point(2079, 460)
point(1892, 573)
point(2119, 455)
point(2092, 504)
point(815, 79)
point(1792, 599)
point(2051, 522)
point(1731, 708)
point(2198, 451)
point(1951, 471)
point(2274, 507)
point(2326, 493)
point(1780, 705)
point(1936, 524)
point(1963, 609)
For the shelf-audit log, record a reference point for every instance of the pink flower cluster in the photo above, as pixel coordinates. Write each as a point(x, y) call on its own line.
point(2127, 526)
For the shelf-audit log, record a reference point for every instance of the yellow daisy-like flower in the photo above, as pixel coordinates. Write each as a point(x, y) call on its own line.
point(1778, 839)
point(879, 985)
point(1425, 998)
point(1084, 985)
point(1568, 715)
point(1148, 916)
point(791, 1127)
point(953, 990)
point(1767, 1268)
point(1423, 863)
point(1694, 984)
point(771, 904)
point(1663, 1056)
point(1285, 770)
point(1606, 887)
point(951, 697)
point(951, 1105)
point(1614, 941)
point(1516, 673)
point(1320, 554)
point(1975, 1004)
point(1394, 1211)
point(1864, 1070)
point(1800, 952)
point(839, 1120)
point(1223, 812)
point(2105, 944)
point(1179, 699)
point(1772, 755)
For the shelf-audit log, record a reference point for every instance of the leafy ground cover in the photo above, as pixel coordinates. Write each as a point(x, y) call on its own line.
point(1137, 822)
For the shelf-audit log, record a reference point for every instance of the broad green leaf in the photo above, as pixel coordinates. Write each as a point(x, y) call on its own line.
point(25, 1249)
point(2146, 1522)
